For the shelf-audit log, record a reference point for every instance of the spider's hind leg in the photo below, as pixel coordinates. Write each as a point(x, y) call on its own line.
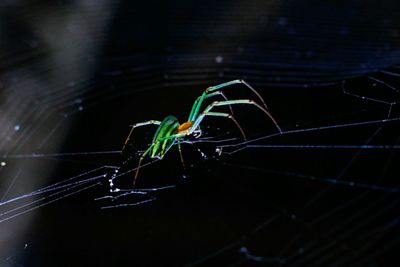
point(136, 125)
point(140, 162)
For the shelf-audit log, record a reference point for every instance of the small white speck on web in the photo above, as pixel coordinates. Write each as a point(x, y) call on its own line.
point(3, 163)
point(202, 154)
point(219, 59)
point(17, 127)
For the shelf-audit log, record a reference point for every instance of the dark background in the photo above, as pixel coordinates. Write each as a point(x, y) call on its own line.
point(75, 74)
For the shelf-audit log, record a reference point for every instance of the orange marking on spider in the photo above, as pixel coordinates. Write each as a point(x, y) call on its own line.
point(184, 126)
point(170, 132)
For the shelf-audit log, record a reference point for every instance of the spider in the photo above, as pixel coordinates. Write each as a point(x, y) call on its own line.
point(171, 132)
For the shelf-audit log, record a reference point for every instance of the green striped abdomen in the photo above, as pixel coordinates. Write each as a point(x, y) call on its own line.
point(162, 141)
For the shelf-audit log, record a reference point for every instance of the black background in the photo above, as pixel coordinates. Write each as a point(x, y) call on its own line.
point(152, 59)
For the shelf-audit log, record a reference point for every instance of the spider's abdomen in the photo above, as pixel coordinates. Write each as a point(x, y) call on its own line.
point(163, 139)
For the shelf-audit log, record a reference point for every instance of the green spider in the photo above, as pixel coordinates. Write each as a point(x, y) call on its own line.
point(171, 132)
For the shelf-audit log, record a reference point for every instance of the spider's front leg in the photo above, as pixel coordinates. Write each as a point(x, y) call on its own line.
point(233, 102)
point(222, 85)
point(197, 104)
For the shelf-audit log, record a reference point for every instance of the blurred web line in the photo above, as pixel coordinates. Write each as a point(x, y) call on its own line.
point(67, 154)
point(61, 190)
point(250, 144)
point(315, 251)
point(245, 144)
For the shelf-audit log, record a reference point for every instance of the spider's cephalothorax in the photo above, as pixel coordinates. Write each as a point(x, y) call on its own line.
point(171, 132)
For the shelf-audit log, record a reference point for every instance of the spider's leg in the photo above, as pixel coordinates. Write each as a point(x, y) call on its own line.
point(216, 114)
point(223, 96)
point(140, 162)
point(222, 85)
point(177, 137)
point(180, 154)
point(199, 101)
point(150, 122)
point(217, 87)
point(241, 101)
point(149, 149)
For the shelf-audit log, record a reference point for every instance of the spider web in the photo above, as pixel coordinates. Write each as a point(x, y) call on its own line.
point(324, 192)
